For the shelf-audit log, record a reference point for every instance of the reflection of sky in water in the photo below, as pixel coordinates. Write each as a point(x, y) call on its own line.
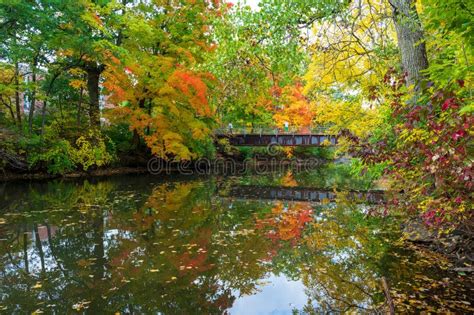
point(277, 296)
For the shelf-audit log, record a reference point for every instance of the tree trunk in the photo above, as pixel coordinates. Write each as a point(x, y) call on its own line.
point(32, 100)
point(135, 140)
point(410, 41)
point(93, 76)
point(17, 95)
point(10, 108)
point(43, 116)
point(25, 251)
point(79, 107)
point(39, 246)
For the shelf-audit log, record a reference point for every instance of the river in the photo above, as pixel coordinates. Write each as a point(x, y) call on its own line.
point(143, 244)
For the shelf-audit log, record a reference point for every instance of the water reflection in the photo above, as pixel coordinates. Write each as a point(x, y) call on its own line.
point(143, 245)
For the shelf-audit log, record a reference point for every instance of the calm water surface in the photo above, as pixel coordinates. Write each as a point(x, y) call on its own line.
point(184, 245)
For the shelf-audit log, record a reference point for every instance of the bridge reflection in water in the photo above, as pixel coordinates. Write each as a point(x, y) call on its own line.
point(301, 194)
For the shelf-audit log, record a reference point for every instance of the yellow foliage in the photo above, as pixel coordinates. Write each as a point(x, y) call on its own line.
point(414, 135)
point(346, 52)
point(350, 115)
point(350, 58)
point(91, 151)
point(77, 84)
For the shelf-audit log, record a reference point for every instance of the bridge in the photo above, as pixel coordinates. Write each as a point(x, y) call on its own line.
point(308, 194)
point(317, 137)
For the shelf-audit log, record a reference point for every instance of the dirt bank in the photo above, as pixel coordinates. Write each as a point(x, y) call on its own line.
point(15, 176)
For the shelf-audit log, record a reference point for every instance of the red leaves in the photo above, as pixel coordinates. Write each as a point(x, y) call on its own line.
point(449, 103)
point(304, 216)
point(433, 168)
point(415, 114)
point(434, 217)
point(458, 134)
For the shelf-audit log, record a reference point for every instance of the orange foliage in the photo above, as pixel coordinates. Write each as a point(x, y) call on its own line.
point(116, 81)
point(192, 86)
point(288, 180)
point(295, 108)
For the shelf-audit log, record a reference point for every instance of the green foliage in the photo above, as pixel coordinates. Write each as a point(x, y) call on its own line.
point(62, 156)
point(58, 157)
point(246, 152)
point(121, 137)
point(265, 152)
point(426, 139)
point(371, 172)
point(318, 152)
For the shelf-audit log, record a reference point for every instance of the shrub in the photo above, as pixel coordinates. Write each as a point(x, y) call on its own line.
point(60, 155)
point(429, 150)
point(58, 158)
point(92, 150)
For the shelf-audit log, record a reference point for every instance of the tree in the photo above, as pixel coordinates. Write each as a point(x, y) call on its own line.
point(84, 33)
point(155, 79)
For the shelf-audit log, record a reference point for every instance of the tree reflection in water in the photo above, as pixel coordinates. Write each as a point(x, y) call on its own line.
point(141, 245)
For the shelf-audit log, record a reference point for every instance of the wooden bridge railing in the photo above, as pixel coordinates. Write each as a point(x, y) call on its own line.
point(239, 130)
point(264, 136)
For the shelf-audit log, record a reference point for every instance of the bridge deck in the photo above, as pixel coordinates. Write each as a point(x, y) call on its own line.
point(280, 139)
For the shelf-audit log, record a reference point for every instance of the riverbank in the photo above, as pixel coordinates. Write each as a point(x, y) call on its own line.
point(119, 170)
point(230, 165)
point(457, 246)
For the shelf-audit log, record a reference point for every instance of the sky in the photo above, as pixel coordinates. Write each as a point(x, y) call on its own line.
point(252, 3)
